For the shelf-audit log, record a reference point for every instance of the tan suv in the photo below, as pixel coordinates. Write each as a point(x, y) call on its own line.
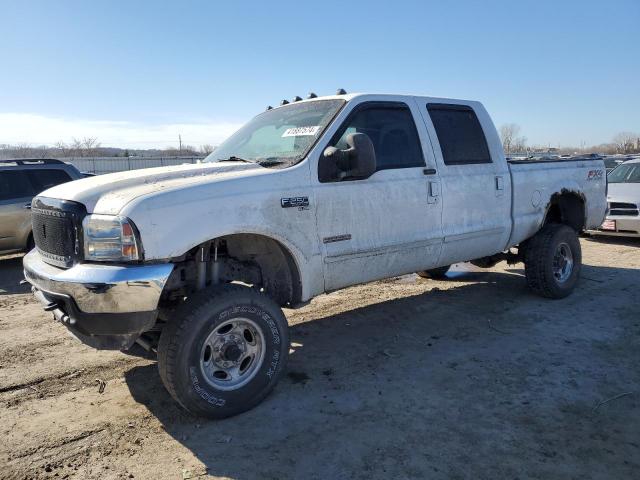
point(20, 181)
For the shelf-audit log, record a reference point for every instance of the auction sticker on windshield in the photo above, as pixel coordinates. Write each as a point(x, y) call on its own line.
point(301, 131)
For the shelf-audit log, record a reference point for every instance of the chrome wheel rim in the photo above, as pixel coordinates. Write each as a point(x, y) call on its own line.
point(232, 354)
point(562, 263)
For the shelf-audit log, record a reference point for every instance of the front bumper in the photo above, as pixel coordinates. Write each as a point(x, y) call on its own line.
point(105, 306)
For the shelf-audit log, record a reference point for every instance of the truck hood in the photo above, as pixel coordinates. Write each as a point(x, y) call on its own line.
point(108, 194)
point(624, 192)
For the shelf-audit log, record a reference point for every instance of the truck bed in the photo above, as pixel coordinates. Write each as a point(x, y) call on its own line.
point(534, 182)
point(517, 161)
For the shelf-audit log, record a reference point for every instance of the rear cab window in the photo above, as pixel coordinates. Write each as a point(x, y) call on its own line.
point(460, 134)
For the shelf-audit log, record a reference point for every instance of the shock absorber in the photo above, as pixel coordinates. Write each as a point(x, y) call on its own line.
point(202, 259)
point(214, 276)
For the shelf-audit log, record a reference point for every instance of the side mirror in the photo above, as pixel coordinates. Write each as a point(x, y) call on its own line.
point(357, 161)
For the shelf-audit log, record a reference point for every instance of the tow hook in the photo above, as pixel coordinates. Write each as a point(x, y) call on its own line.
point(53, 307)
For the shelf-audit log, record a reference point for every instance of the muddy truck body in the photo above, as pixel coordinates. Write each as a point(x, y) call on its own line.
point(197, 261)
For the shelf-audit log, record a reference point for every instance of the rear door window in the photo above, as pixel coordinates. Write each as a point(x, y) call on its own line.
point(460, 134)
point(14, 185)
point(47, 178)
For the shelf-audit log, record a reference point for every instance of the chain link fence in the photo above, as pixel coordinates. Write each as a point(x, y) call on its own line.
point(101, 165)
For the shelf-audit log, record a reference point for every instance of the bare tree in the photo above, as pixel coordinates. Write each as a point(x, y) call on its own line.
point(21, 150)
point(625, 142)
point(206, 149)
point(520, 144)
point(186, 151)
point(65, 150)
point(76, 148)
point(41, 151)
point(90, 146)
point(511, 142)
point(85, 147)
point(507, 134)
point(25, 150)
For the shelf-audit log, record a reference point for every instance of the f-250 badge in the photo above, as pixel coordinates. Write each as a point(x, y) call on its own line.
point(301, 203)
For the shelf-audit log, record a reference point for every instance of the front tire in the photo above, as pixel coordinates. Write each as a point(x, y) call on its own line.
point(224, 351)
point(553, 260)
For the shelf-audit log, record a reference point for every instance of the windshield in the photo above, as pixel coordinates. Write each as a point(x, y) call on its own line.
point(611, 162)
point(277, 136)
point(625, 173)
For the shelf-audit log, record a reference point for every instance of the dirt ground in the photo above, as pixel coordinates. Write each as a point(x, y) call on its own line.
point(473, 377)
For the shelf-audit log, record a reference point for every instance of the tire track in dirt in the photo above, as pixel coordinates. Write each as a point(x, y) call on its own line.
point(67, 381)
point(60, 442)
point(87, 432)
point(470, 388)
point(27, 352)
point(57, 458)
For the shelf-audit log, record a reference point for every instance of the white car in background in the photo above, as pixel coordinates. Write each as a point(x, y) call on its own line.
point(623, 198)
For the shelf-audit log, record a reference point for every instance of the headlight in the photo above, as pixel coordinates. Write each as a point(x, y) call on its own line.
point(110, 238)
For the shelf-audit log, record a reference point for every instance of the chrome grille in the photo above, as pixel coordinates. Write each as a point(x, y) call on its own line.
point(56, 227)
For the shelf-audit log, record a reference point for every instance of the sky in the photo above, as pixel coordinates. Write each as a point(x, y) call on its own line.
point(137, 74)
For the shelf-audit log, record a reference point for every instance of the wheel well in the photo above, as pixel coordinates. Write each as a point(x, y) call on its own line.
point(279, 273)
point(253, 259)
point(30, 241)
point(566, 208)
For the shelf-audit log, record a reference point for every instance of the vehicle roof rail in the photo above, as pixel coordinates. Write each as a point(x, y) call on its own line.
point(32, 161)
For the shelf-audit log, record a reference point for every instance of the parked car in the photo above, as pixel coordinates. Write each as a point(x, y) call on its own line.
point(623, 197)
point(196, 261)
point(613, 161)
point(20, 181)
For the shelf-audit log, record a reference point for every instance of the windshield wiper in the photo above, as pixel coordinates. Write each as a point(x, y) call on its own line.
point(271, 161)
point(233, 158)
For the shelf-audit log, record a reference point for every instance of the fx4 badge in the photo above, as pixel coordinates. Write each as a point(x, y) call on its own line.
point(595, 175)
point(301, 203)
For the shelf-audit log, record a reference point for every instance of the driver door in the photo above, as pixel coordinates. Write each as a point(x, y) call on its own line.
point(387, 224)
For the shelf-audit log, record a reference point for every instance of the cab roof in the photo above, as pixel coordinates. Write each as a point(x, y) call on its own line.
point(380, 96)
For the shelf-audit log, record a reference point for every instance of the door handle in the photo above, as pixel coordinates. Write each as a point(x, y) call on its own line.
point(434, 192)
point(499, 186)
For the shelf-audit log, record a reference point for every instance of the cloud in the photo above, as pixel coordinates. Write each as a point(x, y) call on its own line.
point(38, 130)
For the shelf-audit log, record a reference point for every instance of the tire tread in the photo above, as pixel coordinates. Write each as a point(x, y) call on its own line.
point(183, 318)
point(537, 252)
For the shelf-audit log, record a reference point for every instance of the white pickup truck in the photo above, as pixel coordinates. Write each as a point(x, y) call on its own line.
point(195, 261)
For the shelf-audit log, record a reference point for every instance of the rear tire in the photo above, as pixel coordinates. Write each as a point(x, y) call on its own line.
point(223, 351)
point(439, 273)
point(553, 260)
